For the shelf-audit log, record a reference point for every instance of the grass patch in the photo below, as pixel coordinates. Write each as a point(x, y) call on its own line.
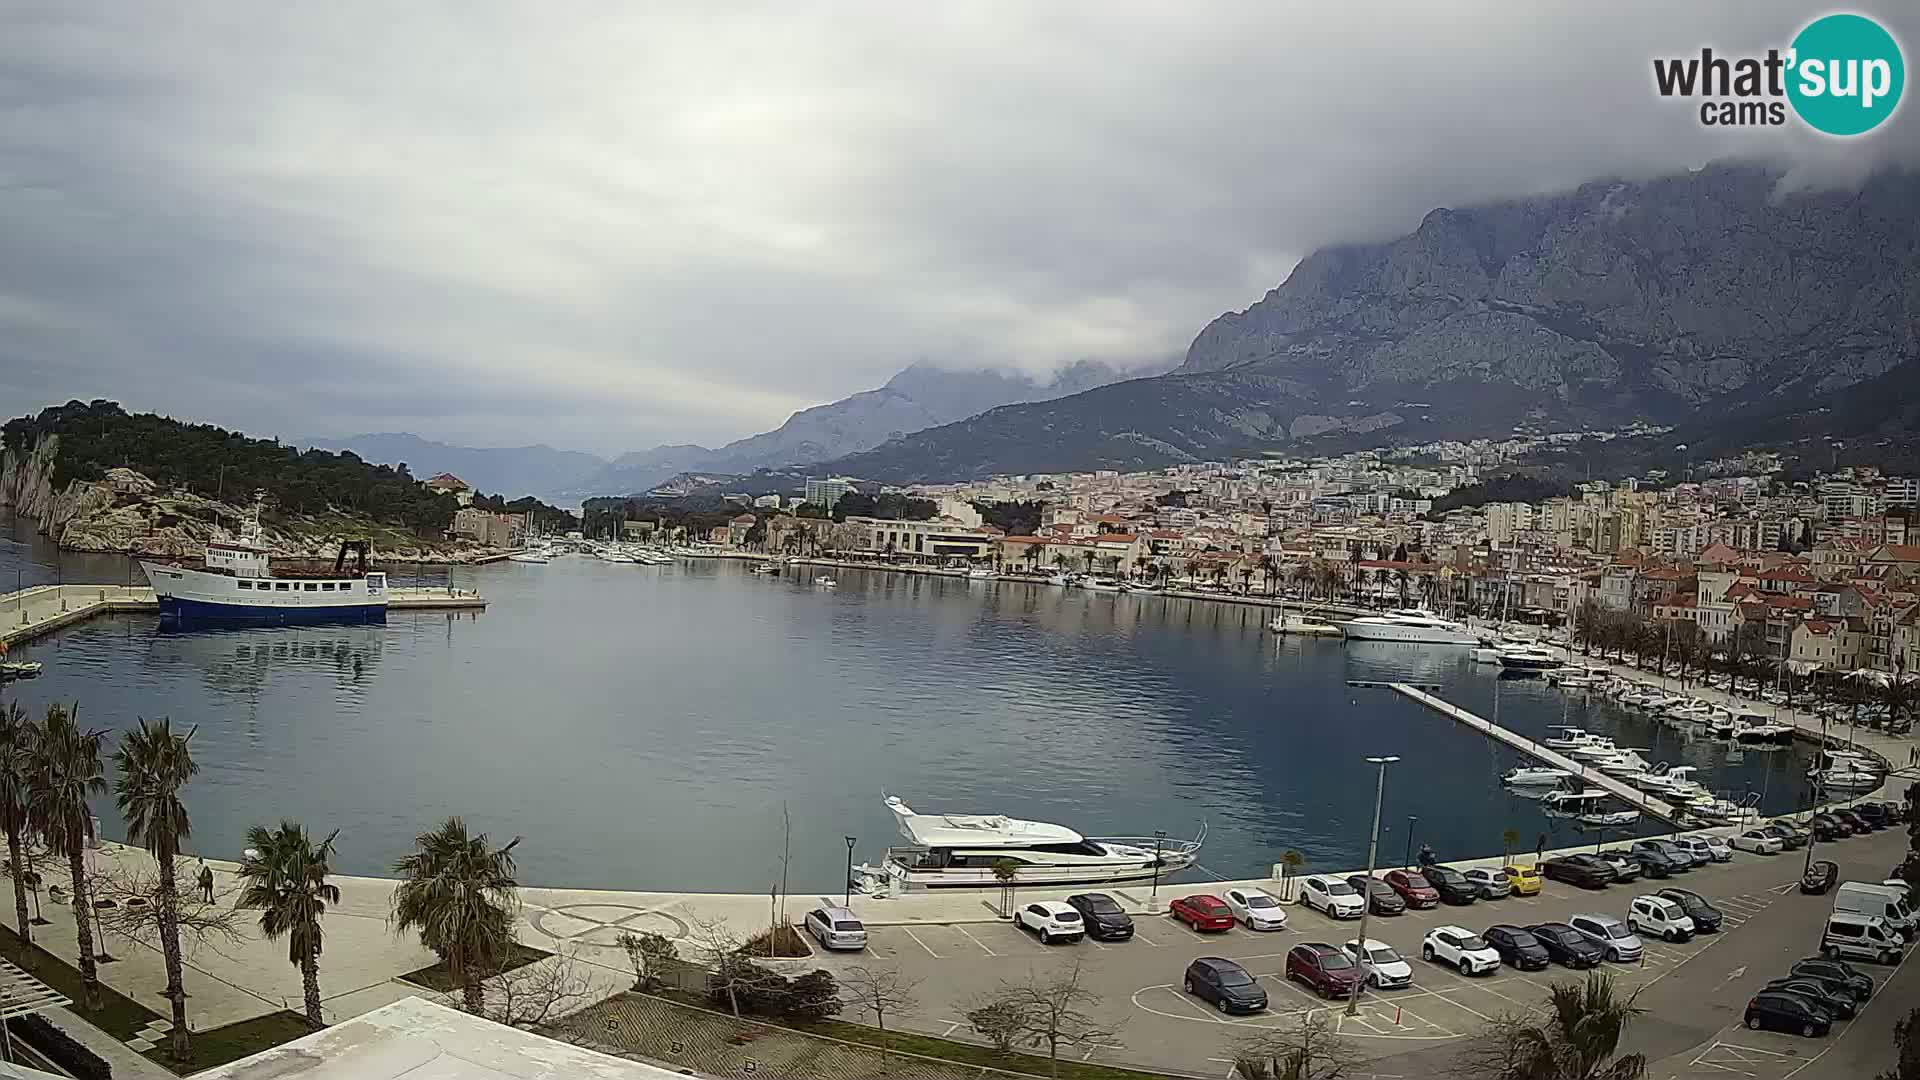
point(118, 1015)
point(436, 976)
point(233, 1042)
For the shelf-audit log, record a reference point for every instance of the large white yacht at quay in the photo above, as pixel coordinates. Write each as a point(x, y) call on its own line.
point(959, 851)
point(1409, 625)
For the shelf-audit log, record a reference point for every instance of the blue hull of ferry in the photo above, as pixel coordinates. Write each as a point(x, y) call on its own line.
point(200, 611)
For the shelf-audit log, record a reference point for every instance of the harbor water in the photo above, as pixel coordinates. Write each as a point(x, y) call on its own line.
point(696, 727)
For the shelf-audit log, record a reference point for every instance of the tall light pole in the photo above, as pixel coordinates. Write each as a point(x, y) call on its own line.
point(1406, 863)
point(851, 840)
point(1366, 899)
point(1159, 839)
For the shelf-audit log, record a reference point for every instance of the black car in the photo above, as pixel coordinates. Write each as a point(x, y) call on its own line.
point(1381, 898)
point(1706, 918)
point(1654, 862)
point(1103, 918)
point(1517, 948)
point(1776, 1011)
point(1680, 858)
point(1226, 984)
point(1790, 838)
point(1875, 814)
point(1586, 871)
point(1452, 885)
point(1854, 821)
point(1838, 972)
point(1819, 878)
point(1827, 827)
point(1831, 998)
point(1568, 946)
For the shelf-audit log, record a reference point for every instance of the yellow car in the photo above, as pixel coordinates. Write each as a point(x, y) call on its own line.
point(1525, 880)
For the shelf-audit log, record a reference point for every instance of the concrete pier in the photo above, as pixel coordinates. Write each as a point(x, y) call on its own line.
point(36, 612)
point(1621, 790)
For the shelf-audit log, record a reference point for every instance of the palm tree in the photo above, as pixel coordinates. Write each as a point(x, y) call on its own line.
point(286, 880)
point(66, 772)
point(16, 777)
point(1062, 560)
point(1400, 577)
point(1575, 1040)
point(459, 894)
point(1507, 840)
point(154, 764)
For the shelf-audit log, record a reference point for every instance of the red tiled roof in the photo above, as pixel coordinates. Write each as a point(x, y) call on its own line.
point(1903, 552)
point(1022, 540)
point(448, 481)
point(1115, 538)
point(1817, 626)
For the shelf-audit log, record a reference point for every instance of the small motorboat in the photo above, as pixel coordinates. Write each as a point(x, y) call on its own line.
point(1305, 627)
point(1100, 585)
point(1528, 658)
point(1534, 776)
point(979, 573)
point(1597, 750)
point(1765, 733)
point(1568, 738)
point(825, 582)
point(765, 568)
point(20, 669)
point(529, 557)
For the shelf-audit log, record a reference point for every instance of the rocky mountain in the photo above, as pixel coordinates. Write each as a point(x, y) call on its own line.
point(538, 470)
point(920, 397)
point(1666, 300)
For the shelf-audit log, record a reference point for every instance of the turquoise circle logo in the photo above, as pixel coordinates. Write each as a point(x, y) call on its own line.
point(1847, 74)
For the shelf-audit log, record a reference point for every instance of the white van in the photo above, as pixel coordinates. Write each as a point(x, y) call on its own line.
point(1882, 901)
point(1657, 916)
point(1861, 936)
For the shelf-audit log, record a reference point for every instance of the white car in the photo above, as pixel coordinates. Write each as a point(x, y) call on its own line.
point(1717, 847)
point(1757, 842)
point(1051, 921)
point(1492, 883)
point(1331, 895)
point(1256, 910)
point(1657, 916)
point(1384, 966)
point(1460, 947)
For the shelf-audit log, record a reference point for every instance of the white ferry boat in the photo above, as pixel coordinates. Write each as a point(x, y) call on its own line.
point(1411, 626)
point(237, 584)
point(959, 851)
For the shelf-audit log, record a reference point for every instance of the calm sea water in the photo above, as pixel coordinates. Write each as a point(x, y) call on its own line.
point(645, 727)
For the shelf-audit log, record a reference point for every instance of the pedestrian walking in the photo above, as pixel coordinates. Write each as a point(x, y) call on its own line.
point(206, 881)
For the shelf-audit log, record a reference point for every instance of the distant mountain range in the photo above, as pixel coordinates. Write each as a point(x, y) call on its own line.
point(1678, 300)
point(919, 397)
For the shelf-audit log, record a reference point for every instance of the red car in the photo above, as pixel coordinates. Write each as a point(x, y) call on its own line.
point(1326, 970)
point(1413, 888)
point(1202, 912)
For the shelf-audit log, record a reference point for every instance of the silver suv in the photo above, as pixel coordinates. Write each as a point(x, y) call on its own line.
point(1614, 937)
point(835, 927)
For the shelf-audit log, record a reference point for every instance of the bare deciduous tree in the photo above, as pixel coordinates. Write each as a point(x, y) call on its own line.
point(1303, 1048)
point(136, 911)
point(650, 954)
point(537, 994)
point(730, 974)
point(996, 1021)
point(1055, 1009)
point(879, 991)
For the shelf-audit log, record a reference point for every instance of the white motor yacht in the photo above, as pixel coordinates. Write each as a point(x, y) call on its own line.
point(1585, 807)
point(536, 555)
point(1567, 738)
point(1765, 733)
point(949, 851)
point(1534, 776)
point(1100, 584)
point(1296, 623)
point(1416, 626)
point(1626, 761)
point(1529, 658)
point(1681, 783)
point(1599, 748)
point(1846, 770)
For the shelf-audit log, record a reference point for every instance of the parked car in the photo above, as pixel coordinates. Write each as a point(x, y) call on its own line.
point(1659, 917)
point(1863, 936)
point(1413, 888)
point(1582, 870)
point(1718, 847)
point(836, 927)
point(1517, 948)
point(1379, 895)
point(1567, 946)
point(1701, 848)
point(1202, 911)
point(1225, 984)
point(1614, 937)
point(1772, 1010)
point(1104, 919)
point(1452, 885)
point(1322, 968)
point(1839, 972)
point(1854, 821)
point(1493, 884)
point(1384, 967)
point(1051, 921)
point(1819, 877)
point(1833, 999)
point(1626, 866)
point(1331, 895)
point(1758, 842)
point(1826, 827)
point(1461, 948)
point(1682, 859)
point(1706, 918)
point(1875, 814)
point(1256, 910)
point(1526, 880)
point(1791, 838)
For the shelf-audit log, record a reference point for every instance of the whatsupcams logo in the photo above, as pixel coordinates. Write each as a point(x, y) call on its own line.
point(1842, 75)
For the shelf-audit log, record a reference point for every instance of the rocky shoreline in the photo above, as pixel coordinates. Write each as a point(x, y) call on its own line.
point(127, 513)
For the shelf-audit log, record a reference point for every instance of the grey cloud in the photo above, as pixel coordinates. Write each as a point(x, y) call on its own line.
point(610, 225)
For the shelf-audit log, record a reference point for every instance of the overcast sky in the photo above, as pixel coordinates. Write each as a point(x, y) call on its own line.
point(606, 226)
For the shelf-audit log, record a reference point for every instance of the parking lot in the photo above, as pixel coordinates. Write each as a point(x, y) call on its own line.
point(1139, 981)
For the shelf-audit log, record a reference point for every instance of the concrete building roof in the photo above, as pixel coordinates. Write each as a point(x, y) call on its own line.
point(420, 1040)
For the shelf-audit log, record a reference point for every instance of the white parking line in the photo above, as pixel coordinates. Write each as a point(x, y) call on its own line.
point(982, 944)
point(917, 941)
point(1138, 936)
point(1442, 995)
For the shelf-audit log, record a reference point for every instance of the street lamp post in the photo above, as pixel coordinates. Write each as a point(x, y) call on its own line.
point(1366, 900)
point(1159, 838)
point(851, 840)
point(1407, 861)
